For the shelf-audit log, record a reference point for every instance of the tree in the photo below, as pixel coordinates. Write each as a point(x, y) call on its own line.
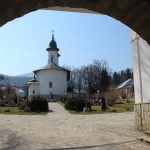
point(89, 79)
point(79, 79)
point(124, 75)
point(96, 77)
point(104, 81)
point(71, 82)
point(9, 92)
point(92, 78)
point(116, 78)
point(128, 73)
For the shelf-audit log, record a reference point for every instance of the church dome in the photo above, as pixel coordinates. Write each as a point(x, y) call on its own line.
point(53, 44)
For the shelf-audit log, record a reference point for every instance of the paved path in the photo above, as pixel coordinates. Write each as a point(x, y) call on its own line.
point(59, 130)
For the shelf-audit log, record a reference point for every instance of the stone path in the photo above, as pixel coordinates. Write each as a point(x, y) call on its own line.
point(59, 130)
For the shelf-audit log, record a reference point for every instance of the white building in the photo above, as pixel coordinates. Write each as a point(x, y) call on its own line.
point(141, 69)
point(51, 80)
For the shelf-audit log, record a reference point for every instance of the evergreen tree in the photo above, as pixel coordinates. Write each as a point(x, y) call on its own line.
point(105, 82)
point(128, 73)
point(116, 78)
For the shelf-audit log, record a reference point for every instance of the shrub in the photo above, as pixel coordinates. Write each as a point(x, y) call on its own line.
point(110, 97)
point(77, 104)
point(63, 100)
point(119, 102)
point(22, 104)
point(124, 96)
point(38, 104)
point(2, 104)
point(113, 110)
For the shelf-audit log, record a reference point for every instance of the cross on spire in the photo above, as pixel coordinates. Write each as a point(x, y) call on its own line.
point(53, 34)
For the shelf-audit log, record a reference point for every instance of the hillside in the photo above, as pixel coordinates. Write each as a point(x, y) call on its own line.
point(14, 80)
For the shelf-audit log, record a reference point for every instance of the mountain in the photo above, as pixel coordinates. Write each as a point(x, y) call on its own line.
point(31, 74)
point(19, 81)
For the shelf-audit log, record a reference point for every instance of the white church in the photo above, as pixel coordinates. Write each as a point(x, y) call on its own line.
point(51, 80)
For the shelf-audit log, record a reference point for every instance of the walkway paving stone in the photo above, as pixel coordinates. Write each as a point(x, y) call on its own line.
point(59, 130)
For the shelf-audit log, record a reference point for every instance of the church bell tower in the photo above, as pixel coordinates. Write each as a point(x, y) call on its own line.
point(53, 54)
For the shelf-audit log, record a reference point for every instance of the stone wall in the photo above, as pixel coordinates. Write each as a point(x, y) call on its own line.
point(142, 116)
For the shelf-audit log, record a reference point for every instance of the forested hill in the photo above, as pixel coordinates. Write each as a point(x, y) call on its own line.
point(19, 81)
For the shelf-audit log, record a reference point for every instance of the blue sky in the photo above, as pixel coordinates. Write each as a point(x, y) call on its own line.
point(80, 38)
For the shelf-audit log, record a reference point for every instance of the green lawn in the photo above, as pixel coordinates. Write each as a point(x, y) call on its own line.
point(17, 111)
point(121, 106)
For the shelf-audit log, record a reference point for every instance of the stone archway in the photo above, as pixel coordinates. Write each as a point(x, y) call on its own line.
point(133, 13)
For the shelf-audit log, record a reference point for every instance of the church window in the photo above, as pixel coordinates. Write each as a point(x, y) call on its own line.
point(50, 84)
point(33, 91)
point(52, 58)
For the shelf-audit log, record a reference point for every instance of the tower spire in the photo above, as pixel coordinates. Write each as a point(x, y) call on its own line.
point(53, 34)
point(53, 51)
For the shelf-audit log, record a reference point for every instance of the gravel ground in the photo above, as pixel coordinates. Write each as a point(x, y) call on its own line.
point(59, 130)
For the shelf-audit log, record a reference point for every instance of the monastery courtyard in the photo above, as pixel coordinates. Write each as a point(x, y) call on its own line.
point(59, 130)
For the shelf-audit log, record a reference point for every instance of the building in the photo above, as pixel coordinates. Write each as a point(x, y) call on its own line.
point(125, 90)
point(50, 81)
point(141, 70)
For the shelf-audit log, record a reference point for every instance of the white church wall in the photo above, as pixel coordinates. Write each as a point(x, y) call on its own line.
point(141, 68)
point(58, 79)
point(34, 89)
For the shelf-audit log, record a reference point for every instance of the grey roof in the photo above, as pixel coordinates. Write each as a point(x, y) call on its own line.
point(125, 84)
point(33, 80)
point(53, 66)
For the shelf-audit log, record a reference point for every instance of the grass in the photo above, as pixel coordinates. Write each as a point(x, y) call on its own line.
point(119, 107)
point(17, 111)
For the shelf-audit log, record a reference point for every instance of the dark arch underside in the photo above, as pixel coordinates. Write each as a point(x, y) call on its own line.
point(134, 13)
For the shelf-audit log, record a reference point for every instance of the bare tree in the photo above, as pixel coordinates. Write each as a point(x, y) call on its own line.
point(79, 79)
point(8, 93)
point(89, 79)
point(71, 82)
point(92, 78)
point(101, 75)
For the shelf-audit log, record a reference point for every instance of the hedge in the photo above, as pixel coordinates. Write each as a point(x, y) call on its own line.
point(77, 104)
point(38, 104)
